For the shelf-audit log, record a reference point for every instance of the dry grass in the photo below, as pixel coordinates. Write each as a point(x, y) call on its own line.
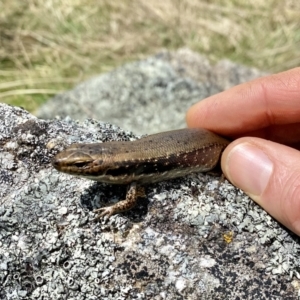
point(49, 45)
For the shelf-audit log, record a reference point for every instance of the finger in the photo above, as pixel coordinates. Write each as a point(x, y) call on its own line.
point(288, 134)
point(270, 174)
point(272, 100)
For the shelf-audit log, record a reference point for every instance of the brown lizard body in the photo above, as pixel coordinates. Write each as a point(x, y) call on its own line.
point(157, 157)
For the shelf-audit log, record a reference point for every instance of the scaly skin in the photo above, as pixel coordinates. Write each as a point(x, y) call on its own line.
point(150, 159)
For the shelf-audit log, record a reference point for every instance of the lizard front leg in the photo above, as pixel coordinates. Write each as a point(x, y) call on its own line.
point(133, 193)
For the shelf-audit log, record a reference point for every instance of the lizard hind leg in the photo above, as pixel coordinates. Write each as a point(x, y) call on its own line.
point(133, 193)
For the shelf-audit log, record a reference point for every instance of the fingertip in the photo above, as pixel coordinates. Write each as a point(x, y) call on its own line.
point(190, 116)
point(269, 173)
point(248, 167)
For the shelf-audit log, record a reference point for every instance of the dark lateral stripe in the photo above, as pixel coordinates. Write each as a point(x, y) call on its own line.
point(195, 158)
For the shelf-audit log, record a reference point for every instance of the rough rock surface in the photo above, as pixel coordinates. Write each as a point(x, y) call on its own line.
point(191, 238)
point(151, 95)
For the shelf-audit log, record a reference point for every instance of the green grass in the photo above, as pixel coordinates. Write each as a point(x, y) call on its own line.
point(47, 47)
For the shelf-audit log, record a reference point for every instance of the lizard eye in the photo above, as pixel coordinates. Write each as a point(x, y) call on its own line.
point(79, 164)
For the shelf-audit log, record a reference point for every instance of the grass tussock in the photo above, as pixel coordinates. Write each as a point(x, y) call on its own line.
point(48, 46)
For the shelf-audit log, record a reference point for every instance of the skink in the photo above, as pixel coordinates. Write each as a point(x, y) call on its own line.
point(150, 159)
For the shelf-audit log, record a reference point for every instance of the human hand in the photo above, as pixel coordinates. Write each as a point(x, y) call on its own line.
point(264, 117)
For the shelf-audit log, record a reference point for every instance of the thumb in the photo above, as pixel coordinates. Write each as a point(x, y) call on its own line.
point(270, 174)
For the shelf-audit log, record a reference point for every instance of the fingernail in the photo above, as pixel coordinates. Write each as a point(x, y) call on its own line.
point(249, 168)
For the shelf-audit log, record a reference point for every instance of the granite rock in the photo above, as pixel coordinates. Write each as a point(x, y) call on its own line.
point(150, 95)
point(191, 238)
